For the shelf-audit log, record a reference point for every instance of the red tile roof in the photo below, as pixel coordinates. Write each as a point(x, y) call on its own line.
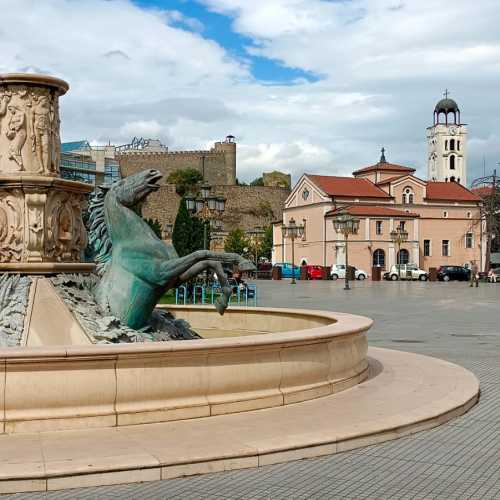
point(371, 210)
point(384, 167)
point(449, 191)
point(348, 186)
point(390, 179)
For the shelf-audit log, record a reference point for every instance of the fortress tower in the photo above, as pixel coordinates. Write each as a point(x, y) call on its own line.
point(228, 148)
point(447, 144)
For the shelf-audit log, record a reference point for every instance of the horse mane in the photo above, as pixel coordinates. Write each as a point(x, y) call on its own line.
point(100, 245)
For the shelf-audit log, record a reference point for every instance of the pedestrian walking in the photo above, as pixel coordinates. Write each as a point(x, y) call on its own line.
point(474, 274)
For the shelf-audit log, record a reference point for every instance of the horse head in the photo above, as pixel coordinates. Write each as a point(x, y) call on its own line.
point(135, 188)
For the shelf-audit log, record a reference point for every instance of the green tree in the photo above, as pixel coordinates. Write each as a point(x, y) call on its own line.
point(155, 225)
point(185, 180)
point(187, 235)
point(183, 226)
point(236, 242)
point(257, 182)
point(266, 245)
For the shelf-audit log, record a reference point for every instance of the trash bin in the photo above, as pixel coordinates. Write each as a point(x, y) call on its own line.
point(376, 273)
point(303, 273)
point(276, 273)
point(326, 272)
point(433, 274)
point(351, 276)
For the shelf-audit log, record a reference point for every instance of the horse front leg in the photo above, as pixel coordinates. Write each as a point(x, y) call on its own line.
point(175, 267)
point(222, 302)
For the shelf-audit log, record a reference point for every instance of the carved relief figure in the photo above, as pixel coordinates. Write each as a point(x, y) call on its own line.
point(66, 234)
point(55, 156)
point(41, 132)
point(16, 132)
point(5, 96)
point(11, 226)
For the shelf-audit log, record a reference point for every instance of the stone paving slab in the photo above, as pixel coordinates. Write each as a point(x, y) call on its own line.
point(406, 393)
point(457, 460)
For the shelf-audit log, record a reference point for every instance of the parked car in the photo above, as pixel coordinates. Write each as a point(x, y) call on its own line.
point(448, 273)
point(286, 270)
point(338, 272)
point(406, 272)
point(315, 272)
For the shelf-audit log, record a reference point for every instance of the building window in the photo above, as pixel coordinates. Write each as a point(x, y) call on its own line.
point(378, 227)
point(469, 215)
point(452, 162)
point(445, 250)
point(407, 196)
point(458, 145)
point(445, 214)
point(427, 248)
point(452, 144)
point(402, 225)
point(403, 256)
point(469, 240)
point(379, 258)
point(446, 145)
point(305, 194)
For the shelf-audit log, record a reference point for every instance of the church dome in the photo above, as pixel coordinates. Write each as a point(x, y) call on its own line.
point(446, 106)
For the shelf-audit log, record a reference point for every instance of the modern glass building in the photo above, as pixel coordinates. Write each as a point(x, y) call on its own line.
point(91, 164)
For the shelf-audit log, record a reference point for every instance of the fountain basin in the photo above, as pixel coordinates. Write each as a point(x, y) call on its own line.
point(294, 355)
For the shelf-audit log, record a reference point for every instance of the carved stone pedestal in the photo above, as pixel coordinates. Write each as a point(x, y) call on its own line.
point(41, 227)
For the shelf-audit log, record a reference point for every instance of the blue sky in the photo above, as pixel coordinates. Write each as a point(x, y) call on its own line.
point(313, 86)
point(218, 27)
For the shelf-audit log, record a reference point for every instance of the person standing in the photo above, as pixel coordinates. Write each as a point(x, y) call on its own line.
point(474, 274)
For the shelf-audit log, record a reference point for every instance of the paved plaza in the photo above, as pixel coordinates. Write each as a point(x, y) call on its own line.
point(458, 460)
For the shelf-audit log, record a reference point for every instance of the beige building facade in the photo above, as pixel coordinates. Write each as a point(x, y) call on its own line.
point(442, 220)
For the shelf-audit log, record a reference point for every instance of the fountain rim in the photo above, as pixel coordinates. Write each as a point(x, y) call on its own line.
point(342, 324)
point(35, 79)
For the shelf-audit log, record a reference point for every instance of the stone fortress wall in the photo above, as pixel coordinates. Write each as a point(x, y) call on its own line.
point(247, 207)
point(217, 165)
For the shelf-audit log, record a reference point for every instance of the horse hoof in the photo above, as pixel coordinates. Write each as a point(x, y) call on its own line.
point(220, 307)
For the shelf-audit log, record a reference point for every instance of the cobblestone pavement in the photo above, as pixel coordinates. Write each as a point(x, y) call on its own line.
point(458, 460)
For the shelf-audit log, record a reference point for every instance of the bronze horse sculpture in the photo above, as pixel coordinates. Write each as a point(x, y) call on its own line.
point(136, 267)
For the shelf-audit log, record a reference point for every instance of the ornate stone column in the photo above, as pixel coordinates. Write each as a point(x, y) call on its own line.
point(41, 227)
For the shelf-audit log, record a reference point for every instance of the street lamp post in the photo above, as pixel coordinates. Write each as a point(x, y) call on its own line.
point(292, 231)
point(209, 208)
point(399, 236)
point(346, 224)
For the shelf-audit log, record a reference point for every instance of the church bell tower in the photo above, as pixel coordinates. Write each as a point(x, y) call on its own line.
point(447, 144)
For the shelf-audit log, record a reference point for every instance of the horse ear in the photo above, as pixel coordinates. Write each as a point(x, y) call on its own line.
point(104, 188)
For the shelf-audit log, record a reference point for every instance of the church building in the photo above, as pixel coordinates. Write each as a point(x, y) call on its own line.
point(442, 217)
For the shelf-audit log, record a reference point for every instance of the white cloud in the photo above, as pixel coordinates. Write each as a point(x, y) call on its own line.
point(383, 63)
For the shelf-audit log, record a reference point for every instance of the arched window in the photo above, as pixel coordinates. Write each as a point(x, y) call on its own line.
point(403, 256)
point(458, 145)
point(407, 196)
point(452, 144)
point(452, 178)
point(446, 145)
point(452, 162)
point(379, 258)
